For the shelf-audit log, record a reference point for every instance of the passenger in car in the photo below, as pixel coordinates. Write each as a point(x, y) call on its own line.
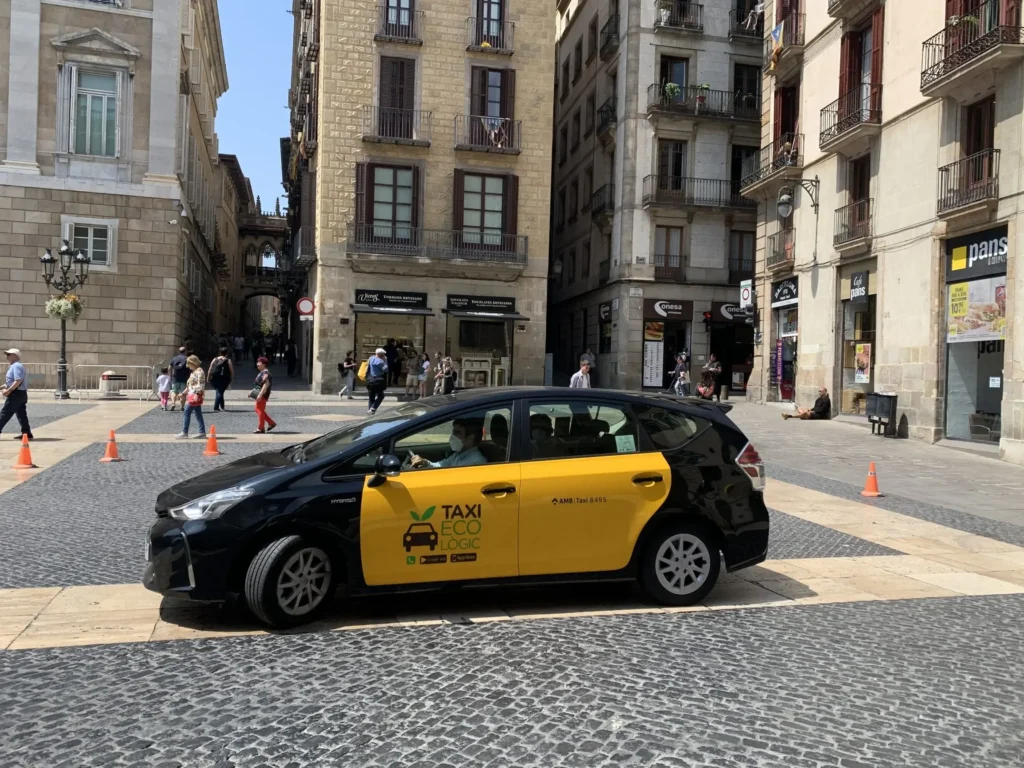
point(465, 444)
point(544, 445)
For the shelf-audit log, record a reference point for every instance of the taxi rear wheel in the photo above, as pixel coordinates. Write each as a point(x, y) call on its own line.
point(680, 565)
point(289, 582)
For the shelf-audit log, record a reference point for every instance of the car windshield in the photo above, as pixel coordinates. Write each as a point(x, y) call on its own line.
point(350, 434)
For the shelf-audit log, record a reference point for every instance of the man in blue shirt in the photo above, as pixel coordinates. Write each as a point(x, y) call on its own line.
point(15, 394)
point(465, 444)
point(376, 379)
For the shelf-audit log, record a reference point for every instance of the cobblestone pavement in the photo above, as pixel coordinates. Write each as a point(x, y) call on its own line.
point(792, 538)
point(83, 522)
point(241, 419)
point(906, 683)
point(43, 413)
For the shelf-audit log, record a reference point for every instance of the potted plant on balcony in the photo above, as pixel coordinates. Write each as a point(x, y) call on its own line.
point(702, 90)
point(665, 10)
point(671, 91)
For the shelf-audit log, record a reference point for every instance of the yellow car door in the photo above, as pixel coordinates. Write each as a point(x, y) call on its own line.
point(452, 522)
point(587, 489)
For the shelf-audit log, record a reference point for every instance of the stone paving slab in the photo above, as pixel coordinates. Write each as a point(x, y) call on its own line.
point(291, 420)
point(916, 684)
point(43, 413)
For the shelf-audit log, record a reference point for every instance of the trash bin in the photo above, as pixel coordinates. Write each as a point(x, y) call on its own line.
point(881, 411)
point(112, 383)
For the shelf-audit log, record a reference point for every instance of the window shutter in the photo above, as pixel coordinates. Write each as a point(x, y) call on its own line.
point(478, 95)
point(122, 100)
point(386, 97)
point(1010, 16)
point(458, 192)
point(952, 8)
point(415, 196)
point(781, 10)
point(777, 114)
point(508, 93)
point(74, 109)
point(511, 205)
point(845, 58)
point(877, 43)
point(360, 202)
point(408, 70)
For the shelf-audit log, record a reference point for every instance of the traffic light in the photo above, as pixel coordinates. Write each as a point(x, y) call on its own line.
point(707, 319)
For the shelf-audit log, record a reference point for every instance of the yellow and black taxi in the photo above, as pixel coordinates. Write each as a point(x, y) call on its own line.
point(484, 487)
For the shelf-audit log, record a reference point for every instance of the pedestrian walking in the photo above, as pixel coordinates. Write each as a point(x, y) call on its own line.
point(391, 357)
point(581, 379)
point(680, 384)
point(446, 376)
point(239, 345)
point(588, 355)
point(412, 374)
point(438, 378)
point(15, 394)
point(377, 379)
point(291, 356)
point(261, 394)
point(424, 374)
point(179, 377)
point(246, 346)
point(195, 392)
point(347, 370)
point(163, 387)
point(222, 373)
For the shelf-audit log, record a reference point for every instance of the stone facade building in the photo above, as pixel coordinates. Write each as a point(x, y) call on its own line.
point(107, 125)
point(418, 174)
point(890, 181)
point(658, 105)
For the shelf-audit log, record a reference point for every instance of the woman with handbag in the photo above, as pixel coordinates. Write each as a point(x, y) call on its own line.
point(261, 393)
point(195, 391)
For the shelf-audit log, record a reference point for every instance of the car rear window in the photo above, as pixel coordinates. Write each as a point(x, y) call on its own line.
point(669, 429)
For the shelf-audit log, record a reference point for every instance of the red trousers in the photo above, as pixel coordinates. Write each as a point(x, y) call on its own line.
point(261, 413)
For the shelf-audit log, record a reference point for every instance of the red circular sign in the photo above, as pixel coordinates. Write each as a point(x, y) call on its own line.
point(305, 306)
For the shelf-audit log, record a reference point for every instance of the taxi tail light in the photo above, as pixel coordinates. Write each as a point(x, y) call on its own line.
point(750, 462)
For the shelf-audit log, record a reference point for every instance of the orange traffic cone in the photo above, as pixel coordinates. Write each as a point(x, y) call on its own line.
point(211, 443)
point(24, 456)
point(111, 454)
point(871, 486)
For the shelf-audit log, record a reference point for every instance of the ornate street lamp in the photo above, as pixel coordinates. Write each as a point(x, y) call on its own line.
point(64, 283)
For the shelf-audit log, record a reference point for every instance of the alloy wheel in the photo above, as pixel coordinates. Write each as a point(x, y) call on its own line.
point(304, 581)
point(682, 564)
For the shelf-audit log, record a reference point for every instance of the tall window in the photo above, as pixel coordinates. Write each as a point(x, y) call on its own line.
point(671, 163)
point(565, 78)
point(94, 242)
point(588, 185)
point(392, 202)
point(399, 17)
point(563, 140)
point(575, 130)
point(585, 258)
point(747, 85)
point(741, 256)
point(95, 115)
point(591, 111)
point(397, 97)
point(577, 62)
point(673, 70)
point(572, 265)
point(574, 199)
point(740, 155)
point(668, 252)
point(491, 13)
point(483, 200)
point(592, 39)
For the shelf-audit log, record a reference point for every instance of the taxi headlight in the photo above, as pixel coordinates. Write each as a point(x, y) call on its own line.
point(211, 506)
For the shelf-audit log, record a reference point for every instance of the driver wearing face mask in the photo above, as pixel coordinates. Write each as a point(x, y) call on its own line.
point(464, 442)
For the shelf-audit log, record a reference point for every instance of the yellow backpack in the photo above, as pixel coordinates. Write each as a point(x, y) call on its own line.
point(364, 367)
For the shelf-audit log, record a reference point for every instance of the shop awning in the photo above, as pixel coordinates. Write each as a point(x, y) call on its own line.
point(486, 315)
point(427, 311)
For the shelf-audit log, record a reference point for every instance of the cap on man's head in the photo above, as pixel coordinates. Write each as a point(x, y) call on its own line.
point(12, 351)
point(380, 351)
point(181, 349)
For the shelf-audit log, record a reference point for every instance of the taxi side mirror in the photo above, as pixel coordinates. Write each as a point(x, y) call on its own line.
point(387, 466)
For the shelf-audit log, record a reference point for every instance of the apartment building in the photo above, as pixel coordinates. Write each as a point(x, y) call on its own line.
point(107, 130)
point(657, 108)
point(418, 173)
point(890, 181)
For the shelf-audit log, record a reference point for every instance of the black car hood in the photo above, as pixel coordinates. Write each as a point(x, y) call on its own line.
point(222, 477)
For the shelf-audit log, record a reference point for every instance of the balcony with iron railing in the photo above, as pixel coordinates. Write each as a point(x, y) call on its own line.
point(686, 192)
point(669, 268)
point(969, 185)
point(679, 16)
point(384, 125)
point(746, 27)
point(694, 101)
point(780, 250)
point(477, 133)
point(779, 161)
point(446, 245)
point(850, 122)
point(851, 230)
point(602, 202)
point(607, 119)
point(609, 37)
point(782, 54)
point(490, 36)
point(305, 247)
point(399, 25)
point(740, 270)
point(989, 37)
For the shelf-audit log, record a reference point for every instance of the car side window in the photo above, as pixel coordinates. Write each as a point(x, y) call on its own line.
point(469, 439)
point(669, 429)
point(581, 428)
point(360, 465)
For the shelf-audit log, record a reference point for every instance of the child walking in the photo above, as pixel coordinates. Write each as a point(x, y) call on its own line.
point(163, 388)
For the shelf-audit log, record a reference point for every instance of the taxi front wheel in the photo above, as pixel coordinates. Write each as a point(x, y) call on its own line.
point(289, 582)
point(680, 565)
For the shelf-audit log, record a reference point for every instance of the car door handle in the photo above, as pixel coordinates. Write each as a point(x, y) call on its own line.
point(498, 491)
point(647, 480)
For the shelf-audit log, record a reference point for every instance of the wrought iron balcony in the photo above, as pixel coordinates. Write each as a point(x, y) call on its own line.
point(988, 37)
point(702, 102)
point(852, 225)
point(782, 54)
point(399, 25)
point(689, 192)
point(609, 37)
point(679, 15)
point(780, 250)
point(740, 270)
point(602, 202)
point(969, 183)
point(782, 158)
point(384, 125)
point(607, 116)
point(442, 244)
point(852, 118)
point(490, 35)
point(747, 27)
point(488, 134)
point(669, 268)
point(305, 247)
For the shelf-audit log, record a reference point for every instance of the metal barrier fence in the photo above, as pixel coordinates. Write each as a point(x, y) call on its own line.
point(41, 376)
point(114, 382)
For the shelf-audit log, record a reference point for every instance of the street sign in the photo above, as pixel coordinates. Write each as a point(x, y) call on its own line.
point(746, 293)
point(305, 306)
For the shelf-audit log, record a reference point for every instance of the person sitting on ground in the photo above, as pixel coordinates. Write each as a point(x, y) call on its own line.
point(465, 444)
point(822, 410)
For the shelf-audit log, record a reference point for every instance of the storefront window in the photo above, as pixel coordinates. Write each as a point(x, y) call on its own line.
point(859, 343)
point(783, 364)
point(480, 339)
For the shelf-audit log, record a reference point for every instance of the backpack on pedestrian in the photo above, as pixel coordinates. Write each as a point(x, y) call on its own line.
point(220, 374)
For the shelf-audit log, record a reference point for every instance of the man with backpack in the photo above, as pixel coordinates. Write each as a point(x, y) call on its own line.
point(179, 376)
point(220, 376)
